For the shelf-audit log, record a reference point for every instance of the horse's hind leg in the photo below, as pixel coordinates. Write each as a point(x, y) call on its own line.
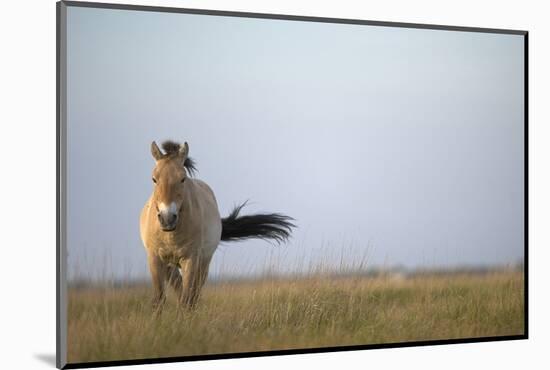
point(194, 274)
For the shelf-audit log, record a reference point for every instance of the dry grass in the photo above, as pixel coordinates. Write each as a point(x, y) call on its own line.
point(116, 323)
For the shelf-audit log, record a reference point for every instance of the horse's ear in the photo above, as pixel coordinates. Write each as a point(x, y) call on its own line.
point(184, 151)
point(155, 151)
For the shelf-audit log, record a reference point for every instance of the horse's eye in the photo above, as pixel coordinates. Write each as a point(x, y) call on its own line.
point(182, 180)
point(154, 180)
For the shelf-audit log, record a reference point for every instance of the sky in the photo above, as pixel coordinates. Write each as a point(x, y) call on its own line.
point(389, 146)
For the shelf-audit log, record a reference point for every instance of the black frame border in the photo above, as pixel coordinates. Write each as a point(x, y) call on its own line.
point(61, 183)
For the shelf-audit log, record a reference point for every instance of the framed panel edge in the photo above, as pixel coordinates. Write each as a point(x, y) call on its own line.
point(61, 189)
point(61, 184)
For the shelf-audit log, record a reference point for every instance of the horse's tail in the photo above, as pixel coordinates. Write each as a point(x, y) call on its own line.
point(271, 226)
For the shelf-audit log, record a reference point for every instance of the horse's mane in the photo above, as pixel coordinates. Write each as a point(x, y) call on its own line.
point(171, 147)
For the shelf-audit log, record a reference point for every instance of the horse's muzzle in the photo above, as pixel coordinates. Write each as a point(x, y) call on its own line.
point(168, 221)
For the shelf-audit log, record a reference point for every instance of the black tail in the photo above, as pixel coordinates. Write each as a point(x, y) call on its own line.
point(272, 226)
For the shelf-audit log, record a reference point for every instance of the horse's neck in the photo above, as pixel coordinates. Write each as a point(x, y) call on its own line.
point(190, 207)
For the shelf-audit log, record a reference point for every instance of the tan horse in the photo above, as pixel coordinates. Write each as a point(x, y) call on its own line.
point(181, 226)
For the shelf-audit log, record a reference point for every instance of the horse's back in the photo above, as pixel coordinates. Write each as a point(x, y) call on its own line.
point(205, 198)
point(206, 191)
point(208, 212)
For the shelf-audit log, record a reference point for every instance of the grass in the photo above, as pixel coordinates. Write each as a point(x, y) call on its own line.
point(106, 324)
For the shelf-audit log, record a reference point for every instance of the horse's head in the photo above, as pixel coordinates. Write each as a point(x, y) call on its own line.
point(169, 177)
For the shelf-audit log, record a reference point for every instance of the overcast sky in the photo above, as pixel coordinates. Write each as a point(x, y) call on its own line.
point(401, 146)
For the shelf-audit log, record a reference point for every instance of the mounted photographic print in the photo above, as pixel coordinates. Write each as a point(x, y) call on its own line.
point(237, 184)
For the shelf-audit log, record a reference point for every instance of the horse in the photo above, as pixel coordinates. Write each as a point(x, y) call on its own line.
point(181, 227)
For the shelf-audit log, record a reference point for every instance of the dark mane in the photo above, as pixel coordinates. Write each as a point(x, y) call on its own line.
point(190, 166)
point(171, 147)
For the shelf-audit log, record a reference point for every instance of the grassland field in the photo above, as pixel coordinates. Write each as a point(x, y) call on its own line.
point(115, 323)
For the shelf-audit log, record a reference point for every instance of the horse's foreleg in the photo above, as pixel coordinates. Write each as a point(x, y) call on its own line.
point(194, 272)
point(158, 275)
point(174, 278)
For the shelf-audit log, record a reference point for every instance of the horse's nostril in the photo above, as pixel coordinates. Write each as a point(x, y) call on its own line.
point(173, 218)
